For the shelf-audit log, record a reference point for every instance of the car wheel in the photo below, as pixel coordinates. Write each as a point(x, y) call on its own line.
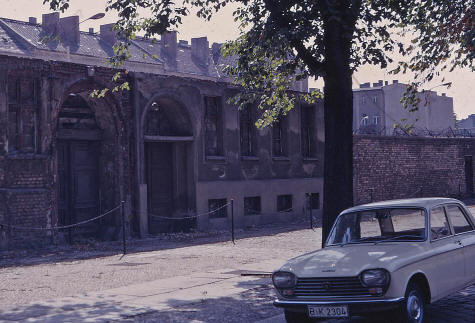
point(296, 317)
point(413, 307)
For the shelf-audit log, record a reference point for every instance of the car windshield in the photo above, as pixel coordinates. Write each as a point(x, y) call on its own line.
point(379, 225)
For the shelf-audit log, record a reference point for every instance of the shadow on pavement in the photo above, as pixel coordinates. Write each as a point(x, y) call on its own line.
point(91, 248)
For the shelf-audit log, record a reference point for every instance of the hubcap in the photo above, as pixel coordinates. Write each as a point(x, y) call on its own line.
point(414, 308)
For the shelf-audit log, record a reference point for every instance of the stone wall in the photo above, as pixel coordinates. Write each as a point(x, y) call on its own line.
point(401, 167)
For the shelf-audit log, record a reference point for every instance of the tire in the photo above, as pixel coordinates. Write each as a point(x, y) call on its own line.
point(413, 307)
point(296, 317)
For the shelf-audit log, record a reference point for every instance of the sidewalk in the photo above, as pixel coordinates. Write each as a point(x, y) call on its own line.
point(132, 300)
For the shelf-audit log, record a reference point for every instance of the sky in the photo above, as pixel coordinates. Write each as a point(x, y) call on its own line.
point(222, 28)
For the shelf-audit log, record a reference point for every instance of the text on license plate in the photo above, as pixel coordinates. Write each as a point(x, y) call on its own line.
point(328, 311)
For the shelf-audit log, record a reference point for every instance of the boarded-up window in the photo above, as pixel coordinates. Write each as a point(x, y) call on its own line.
point(213, 127)
point(308, 132)
point(284, 203)
point(252, 205)
point(279, 137)
point(248, 132)
point(22, 114)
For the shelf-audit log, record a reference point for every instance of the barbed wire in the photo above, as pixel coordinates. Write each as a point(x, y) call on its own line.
point(191, 216)
point(63, 226)
point(401, 131)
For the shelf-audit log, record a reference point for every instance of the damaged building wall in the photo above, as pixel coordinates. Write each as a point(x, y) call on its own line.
point(31, 178)
point(171, 147)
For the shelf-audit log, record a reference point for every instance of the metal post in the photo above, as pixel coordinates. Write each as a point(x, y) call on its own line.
point(310, 209)
point(122, 210)
point(232, 220)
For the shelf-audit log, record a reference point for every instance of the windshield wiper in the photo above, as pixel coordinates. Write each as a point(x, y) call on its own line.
point(398, 237)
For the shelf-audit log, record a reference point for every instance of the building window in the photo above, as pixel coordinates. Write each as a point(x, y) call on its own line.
point(22, 114)
point(314, 200)
point(248, 131)
point(308, 132)
point(252, 205)
point(213, 126)
point(284, 203)
point(364, 120)
point(376, 119)
point(217, 208)
point(279, 137)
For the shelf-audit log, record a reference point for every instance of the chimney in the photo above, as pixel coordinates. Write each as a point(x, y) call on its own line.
point(50, 23)
point(386, 82)
point(200, 50)
point(443, 94)
point(365, 85)
point(216, 52)
point(395, 81)
point(69, 30)
point(32, 20)
point(107, 34)
point(375, 84)
point(169, 47)
point(380, 82)
point(91, 31)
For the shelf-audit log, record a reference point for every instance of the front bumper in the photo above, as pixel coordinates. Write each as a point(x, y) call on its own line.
point(355, 307)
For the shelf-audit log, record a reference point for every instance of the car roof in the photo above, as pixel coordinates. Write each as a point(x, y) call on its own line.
point(427, 203)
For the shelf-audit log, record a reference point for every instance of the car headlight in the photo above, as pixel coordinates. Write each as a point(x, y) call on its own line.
point(375, 278)
point(283, 279)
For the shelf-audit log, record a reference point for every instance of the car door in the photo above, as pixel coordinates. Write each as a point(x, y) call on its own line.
point(463, 229)
point(446, 268)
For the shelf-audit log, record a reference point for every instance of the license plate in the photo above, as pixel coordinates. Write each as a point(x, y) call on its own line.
point(328, 311)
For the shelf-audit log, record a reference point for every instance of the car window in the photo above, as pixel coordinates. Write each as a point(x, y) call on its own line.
point(407, 219)
point(369, 226)
point(379, 225)
point(439, 226)
point(458, 220)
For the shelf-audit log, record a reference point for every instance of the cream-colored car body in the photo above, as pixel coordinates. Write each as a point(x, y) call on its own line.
point(448, 264)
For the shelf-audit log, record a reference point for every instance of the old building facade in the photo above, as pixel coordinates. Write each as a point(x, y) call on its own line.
point(171, 147)
point(377, 109)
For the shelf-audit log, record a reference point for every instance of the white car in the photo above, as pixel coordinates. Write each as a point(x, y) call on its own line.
point(387, 256)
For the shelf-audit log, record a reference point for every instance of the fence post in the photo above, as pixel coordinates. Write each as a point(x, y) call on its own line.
point(122, 211)
point(232, 220)
point(310, 210)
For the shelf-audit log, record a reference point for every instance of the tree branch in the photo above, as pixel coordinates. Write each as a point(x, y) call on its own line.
point(315, 66)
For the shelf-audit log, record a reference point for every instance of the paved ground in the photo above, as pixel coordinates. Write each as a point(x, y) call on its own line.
point(168, 279)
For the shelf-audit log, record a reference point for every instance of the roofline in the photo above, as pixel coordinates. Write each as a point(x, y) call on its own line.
point(25, 42)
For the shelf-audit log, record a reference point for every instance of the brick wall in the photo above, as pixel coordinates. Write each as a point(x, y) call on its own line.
point(402, 167)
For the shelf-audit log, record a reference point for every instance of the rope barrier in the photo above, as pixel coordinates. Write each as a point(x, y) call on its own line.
point(192, 216)
point(64, 226)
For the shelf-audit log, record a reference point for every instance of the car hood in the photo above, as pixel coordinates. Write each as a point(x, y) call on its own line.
point(352, 259)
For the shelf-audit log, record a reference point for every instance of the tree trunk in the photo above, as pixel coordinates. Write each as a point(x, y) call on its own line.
point(338, 109)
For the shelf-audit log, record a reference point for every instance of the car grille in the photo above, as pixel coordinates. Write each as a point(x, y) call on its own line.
point(330, 287)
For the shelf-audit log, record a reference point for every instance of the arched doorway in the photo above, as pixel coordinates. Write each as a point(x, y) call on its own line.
point(79, 139)
point(168, 159)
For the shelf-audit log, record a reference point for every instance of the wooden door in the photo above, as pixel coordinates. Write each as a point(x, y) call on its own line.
point(469, 174)
point(78, 182)
point(159, 182)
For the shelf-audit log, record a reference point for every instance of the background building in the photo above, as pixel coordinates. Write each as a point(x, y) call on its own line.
point(170, 147)
point(467, 126)
point(378, 110)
